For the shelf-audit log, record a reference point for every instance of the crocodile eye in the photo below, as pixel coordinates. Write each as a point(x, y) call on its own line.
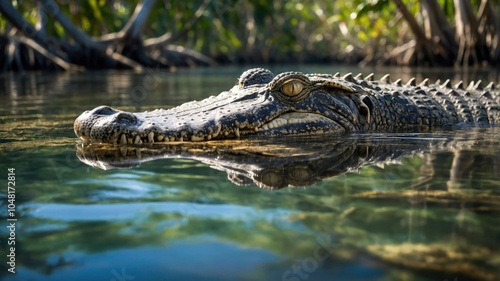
point(292, 88)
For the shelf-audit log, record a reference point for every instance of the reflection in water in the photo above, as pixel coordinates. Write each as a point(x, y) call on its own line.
point(303, 161)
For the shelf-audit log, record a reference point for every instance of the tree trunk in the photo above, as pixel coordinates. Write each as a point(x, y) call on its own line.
point(489, 26)
point(17, 20)
point(472, 43)
point(438, 31)
point(132, 31)
point(423, 45)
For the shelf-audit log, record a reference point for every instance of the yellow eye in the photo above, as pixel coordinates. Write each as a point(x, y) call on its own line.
point(292, 88)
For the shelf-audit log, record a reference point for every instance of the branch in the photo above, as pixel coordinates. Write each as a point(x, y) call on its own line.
point(133, 26)
point(84, 39)
point(124, 60)
point(110, 37)
point(190, 53)
point(55, 59)
point(10, 51)
point(41, 20)
point(75, 33)
point(437, 25)
point(415, 28)
point(133, 29)
point(18, 21)
point(471, 42)
point(167, 38)
point(489, 26)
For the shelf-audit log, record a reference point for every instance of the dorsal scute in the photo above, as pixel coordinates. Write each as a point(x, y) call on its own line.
point(459, 85)
point(424, 82)
point(369, 77)
point(348, 77)
point(447, 83)
point(491, 86)
point(478, 85)
point(386, 79)
point(475, 85)
point(412, 82)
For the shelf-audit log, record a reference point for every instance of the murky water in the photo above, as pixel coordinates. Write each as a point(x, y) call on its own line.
point(368, 207)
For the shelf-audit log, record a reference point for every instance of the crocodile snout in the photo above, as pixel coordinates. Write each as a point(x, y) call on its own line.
point(95, 124)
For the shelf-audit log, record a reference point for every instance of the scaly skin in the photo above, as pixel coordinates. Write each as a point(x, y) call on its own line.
point(293, 103)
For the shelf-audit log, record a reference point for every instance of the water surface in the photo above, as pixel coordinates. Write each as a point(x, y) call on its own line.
point(415, 207)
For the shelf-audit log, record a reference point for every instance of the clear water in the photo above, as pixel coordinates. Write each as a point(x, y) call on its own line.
point(415, 207)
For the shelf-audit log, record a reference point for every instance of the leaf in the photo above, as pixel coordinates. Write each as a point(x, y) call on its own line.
point(372, 6)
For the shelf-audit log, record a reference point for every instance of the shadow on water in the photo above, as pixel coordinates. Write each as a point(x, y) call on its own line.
point(374, 207)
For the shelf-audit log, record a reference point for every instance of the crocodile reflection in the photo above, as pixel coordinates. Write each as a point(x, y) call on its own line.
point(272, 165)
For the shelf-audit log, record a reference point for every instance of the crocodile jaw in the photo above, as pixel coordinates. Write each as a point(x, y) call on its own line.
point(107, 125)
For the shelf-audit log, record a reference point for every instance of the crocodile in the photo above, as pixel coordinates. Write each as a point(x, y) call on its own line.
point(294, 103)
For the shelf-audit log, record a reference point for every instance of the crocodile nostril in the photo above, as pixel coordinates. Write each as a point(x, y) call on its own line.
point(125, 117)
point(104, 110)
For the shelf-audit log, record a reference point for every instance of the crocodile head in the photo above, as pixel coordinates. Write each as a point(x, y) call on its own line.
point(290, 103)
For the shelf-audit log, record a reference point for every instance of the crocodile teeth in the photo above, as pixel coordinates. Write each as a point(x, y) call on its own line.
point(196, 138)
point(217, 129)
point(237, 132)
point(151, 137)
point(137, 140)
point(160, 137)
point(123, 139)
point(123, 151)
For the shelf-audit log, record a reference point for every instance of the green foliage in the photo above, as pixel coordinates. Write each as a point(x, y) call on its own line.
point(252, 30)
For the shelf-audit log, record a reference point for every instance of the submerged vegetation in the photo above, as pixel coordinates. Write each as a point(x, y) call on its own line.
point(74, 35)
